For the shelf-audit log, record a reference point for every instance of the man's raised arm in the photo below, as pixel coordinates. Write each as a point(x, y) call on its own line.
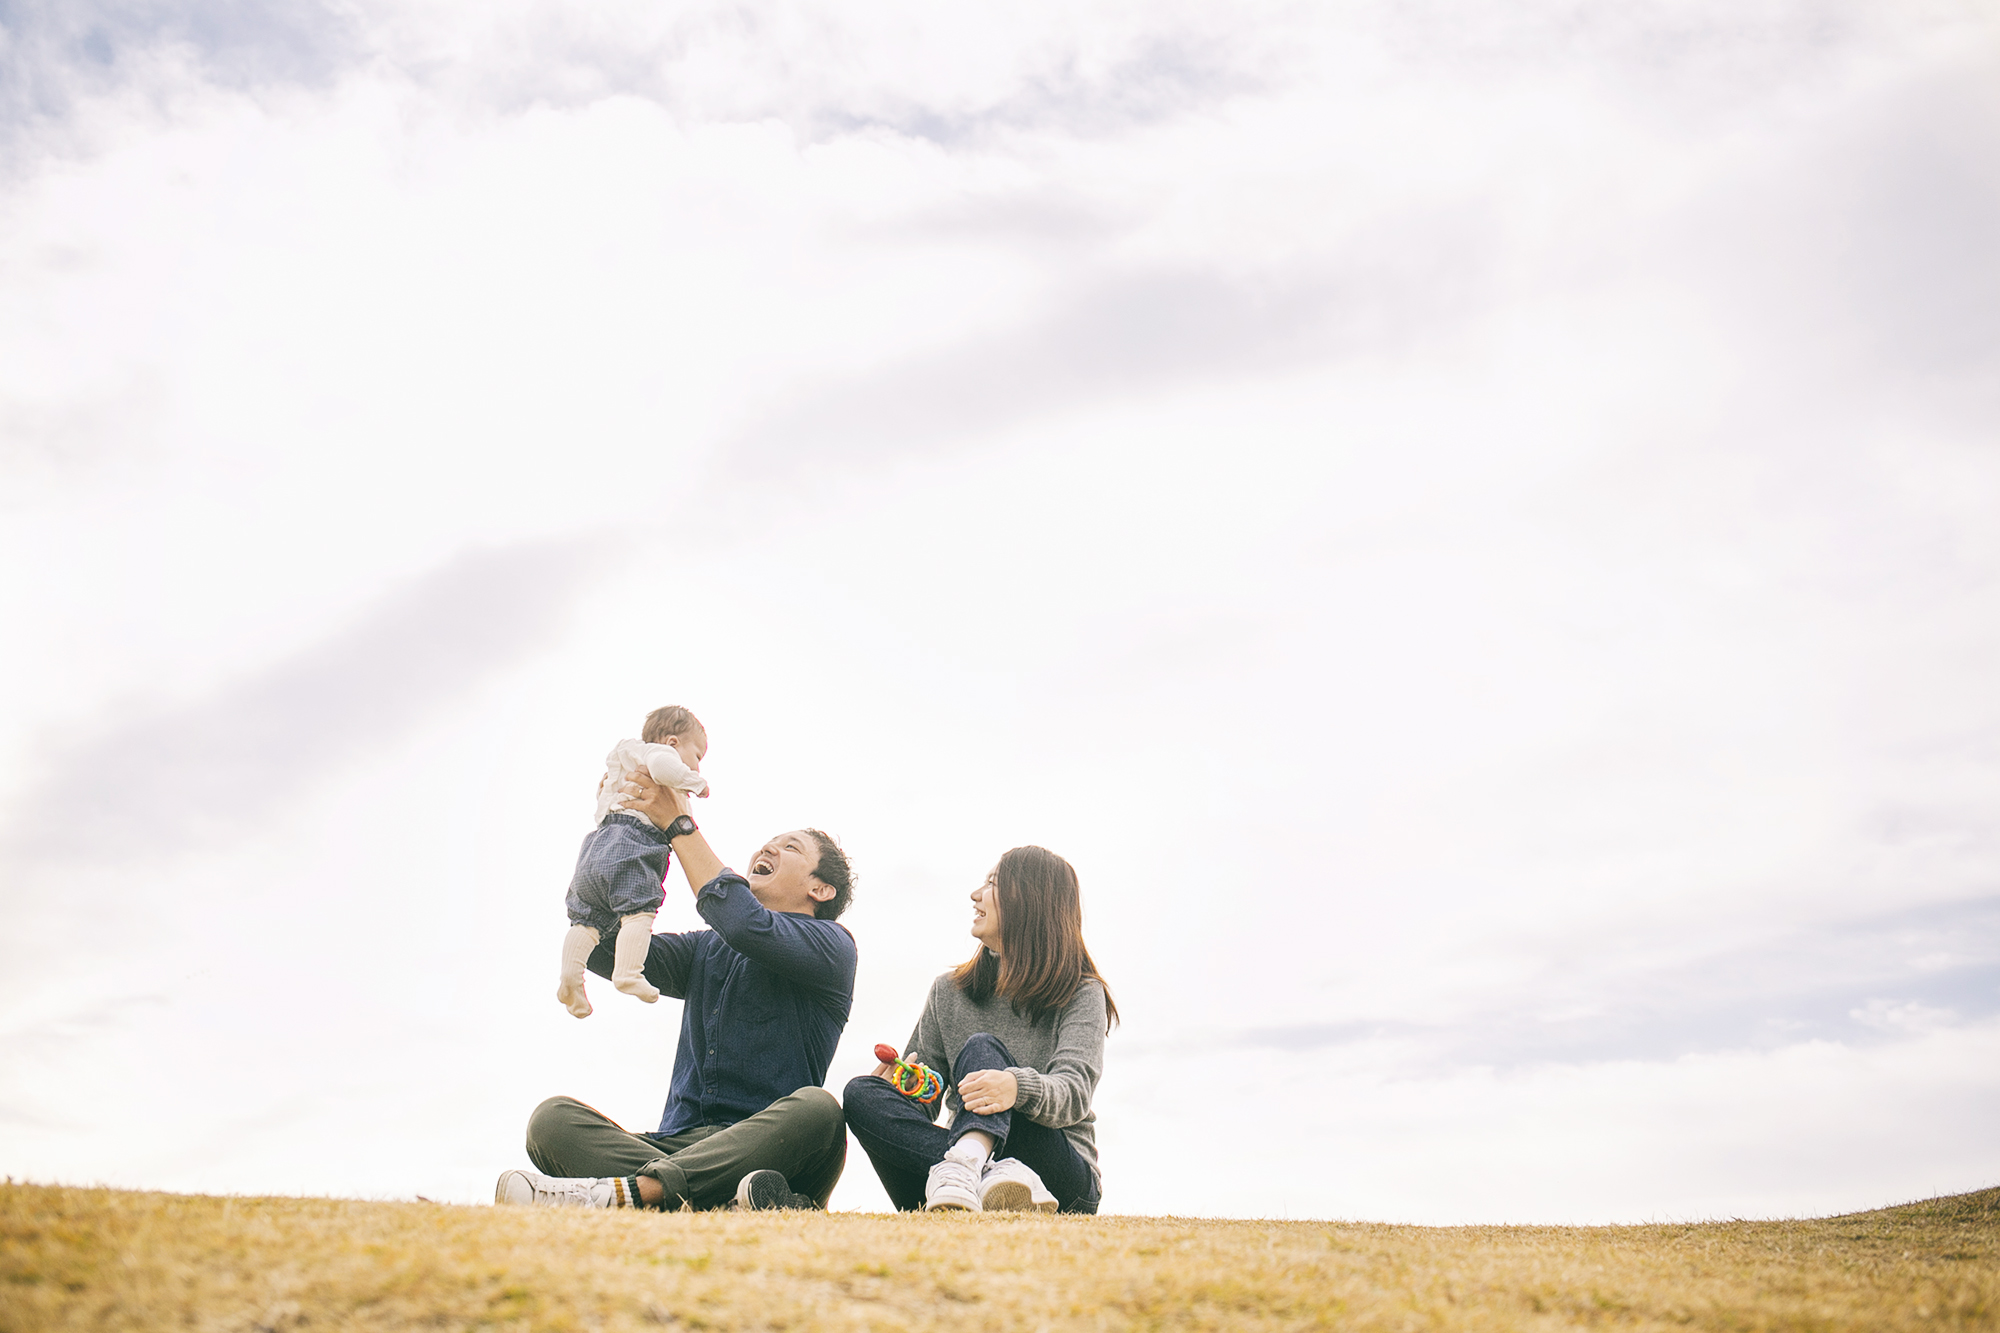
point(663, 805)
point(791, 940)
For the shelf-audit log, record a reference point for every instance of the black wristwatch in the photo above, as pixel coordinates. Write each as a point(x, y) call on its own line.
point(680, 828)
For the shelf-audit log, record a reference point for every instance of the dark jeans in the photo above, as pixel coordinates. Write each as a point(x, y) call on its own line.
point(904, 1144)
point(800, 1135)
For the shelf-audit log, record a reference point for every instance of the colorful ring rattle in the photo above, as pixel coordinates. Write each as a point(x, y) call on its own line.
point(914, 1079)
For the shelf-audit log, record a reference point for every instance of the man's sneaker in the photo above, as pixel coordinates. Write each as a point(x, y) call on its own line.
point(1011, 1183)
point(953, 1184)
point(533, 1187)
point(769, 1189)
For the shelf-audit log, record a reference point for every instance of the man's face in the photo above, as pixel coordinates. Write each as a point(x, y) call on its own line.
point(781, 874)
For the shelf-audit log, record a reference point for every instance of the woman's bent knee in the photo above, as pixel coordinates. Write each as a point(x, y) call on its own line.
point(982, 1044)
point(863, 1095)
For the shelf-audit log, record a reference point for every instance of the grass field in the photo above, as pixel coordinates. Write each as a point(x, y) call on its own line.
point(106, 1259)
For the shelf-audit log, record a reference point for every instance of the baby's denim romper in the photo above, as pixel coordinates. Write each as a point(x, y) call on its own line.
point(619, 871)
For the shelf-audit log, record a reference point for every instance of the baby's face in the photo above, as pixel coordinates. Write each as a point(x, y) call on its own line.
point(691, 749)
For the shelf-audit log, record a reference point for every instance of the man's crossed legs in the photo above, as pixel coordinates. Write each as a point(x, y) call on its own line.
point(788, 1155)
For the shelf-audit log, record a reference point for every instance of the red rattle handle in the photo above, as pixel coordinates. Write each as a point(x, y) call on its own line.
point(912, 1079)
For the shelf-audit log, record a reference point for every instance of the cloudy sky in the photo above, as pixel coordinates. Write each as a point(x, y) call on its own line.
point(1473, 526)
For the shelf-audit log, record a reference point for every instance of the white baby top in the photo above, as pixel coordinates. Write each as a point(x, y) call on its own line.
point(658, 761)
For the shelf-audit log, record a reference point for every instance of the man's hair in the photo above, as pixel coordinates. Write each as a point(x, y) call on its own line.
point(833, 870)
point(673, 720)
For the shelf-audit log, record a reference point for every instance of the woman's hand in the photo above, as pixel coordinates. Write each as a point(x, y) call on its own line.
point(988, 1091)
point(643, 796)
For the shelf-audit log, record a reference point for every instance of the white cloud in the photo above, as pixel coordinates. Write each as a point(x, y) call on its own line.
point(1904, 1016)
point(1473, 533)
point(1806, 1130)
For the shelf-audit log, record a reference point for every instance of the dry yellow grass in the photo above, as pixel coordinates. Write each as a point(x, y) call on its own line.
point(105, 1259)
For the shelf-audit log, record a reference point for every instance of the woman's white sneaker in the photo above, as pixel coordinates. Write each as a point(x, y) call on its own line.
point(1010, 1184)
point(953, 1185)
point(532, 1187)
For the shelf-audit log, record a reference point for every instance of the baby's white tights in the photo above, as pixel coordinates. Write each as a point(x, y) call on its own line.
point(628, 971)
point(576, 952)
point(628, 967)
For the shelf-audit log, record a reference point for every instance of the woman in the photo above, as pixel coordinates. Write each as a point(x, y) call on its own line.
point(1017, 1032)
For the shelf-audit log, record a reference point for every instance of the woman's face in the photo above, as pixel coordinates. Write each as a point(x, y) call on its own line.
point(986, 911)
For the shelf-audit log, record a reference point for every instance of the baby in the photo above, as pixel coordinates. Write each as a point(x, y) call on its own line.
point(624, 859)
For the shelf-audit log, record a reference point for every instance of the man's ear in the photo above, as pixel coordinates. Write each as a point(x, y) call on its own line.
point(819, 890)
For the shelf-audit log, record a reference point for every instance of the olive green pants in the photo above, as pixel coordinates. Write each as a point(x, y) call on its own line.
point(802, 1135)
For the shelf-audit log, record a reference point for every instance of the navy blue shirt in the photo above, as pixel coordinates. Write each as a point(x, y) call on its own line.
point(767, 995)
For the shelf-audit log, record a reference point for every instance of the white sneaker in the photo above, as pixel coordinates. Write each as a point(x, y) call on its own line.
point(1011, 1183)
point(953, 1186)
point(532, 1187)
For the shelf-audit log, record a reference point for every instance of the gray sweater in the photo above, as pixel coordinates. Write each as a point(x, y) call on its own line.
point(1058, 1060)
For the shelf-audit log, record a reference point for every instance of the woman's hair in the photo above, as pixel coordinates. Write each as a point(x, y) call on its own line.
point(1042, 959)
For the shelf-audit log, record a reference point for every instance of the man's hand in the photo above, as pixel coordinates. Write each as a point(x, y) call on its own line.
point(663, 805)
point(643, 796)
point(988, 1091)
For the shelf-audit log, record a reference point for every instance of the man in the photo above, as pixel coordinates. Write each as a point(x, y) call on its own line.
point(767, 991)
